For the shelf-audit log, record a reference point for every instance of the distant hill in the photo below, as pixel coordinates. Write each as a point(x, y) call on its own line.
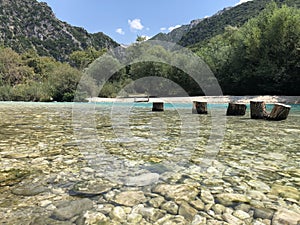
point(176, 34)
point(204, 29)
point(235, 16)
point(27, 24)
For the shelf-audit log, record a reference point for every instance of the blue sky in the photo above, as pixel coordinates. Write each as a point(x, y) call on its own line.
point(124, 20)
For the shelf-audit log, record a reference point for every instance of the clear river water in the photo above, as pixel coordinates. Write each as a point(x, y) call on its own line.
point(105, 163)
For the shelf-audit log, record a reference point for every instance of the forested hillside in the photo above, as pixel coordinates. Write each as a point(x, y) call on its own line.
point(260, 56)
point(203, 29)
point(29, 24)
point(236, 16)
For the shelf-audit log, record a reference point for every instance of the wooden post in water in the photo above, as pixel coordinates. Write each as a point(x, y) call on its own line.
point(279, 112)
point(158, 106)
point(236, 109)
point(258, 110)
point(199, 107)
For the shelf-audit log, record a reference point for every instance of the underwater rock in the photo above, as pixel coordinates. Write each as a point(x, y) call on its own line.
point(129, 198)
point(284, 216)
point(69, 209)
point(29, 189)
point(228, 199)
point(177, 192)
point(91, 188)
point(142, 180)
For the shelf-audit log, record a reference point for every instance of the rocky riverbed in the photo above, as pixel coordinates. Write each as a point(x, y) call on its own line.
point(47, 177)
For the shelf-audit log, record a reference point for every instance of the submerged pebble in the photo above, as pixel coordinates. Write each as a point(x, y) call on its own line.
point(50, 176)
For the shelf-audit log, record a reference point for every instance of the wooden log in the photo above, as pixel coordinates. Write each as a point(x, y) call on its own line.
point(279, 112)
point(199, 107)
point(157, 106)
point(236, 109)
point(258, 110)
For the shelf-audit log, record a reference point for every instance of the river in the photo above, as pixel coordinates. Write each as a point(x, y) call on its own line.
point(105, 163)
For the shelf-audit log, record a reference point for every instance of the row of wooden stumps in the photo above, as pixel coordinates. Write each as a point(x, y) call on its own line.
point(257, 108)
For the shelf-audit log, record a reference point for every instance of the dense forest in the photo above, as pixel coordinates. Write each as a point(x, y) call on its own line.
point(260, 56)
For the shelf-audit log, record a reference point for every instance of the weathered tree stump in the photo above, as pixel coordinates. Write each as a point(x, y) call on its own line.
point(158, 106)
point(199, 107)
point(279, 112)
point(258, 110)
point(236, 109)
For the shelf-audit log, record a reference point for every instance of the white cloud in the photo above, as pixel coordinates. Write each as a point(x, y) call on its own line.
point(120, 31)
point(243, 1)
point(174, 27)
point(135, 24)
point(163, 29)
point(146, 37)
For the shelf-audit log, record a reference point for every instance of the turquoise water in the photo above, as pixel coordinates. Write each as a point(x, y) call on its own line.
point(295, 107)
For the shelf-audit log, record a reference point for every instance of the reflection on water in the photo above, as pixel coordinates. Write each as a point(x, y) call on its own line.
point(38, 145)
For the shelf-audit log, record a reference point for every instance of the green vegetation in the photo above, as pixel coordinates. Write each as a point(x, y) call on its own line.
point(41, 57)
point(29, 77)
point(260, 55)
point(150, 72)
point(235, 17)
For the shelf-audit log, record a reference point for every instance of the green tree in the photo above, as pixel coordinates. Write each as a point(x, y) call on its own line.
point(41, 65)
point(81, 59)
point(63, 81)
point(12, 69)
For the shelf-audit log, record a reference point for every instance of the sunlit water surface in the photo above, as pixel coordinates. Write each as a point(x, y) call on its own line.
point(39, 141)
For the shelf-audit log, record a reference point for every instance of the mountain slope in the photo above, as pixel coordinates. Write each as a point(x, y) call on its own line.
point(27, 24)
point(235, 16)
point(203, 29)
point(176, 34)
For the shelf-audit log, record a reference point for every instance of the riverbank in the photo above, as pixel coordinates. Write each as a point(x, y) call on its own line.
point(269, 99)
